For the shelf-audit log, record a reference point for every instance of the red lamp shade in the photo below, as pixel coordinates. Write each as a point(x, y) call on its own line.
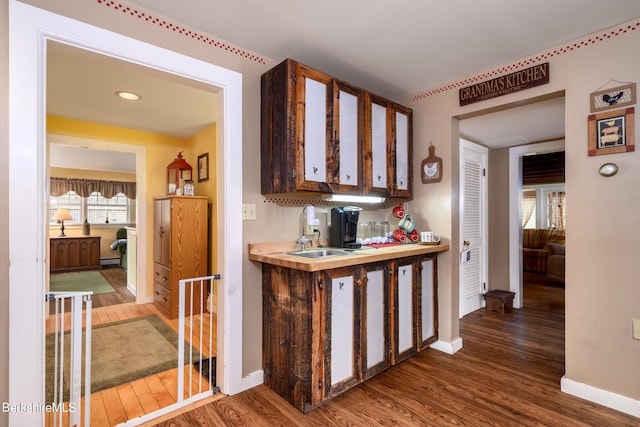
point(178, 172)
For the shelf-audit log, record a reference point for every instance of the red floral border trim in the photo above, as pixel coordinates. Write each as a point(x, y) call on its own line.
point(534, 60)
point(119, 7)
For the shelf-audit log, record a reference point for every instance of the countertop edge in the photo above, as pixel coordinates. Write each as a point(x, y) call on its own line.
point(276, 254)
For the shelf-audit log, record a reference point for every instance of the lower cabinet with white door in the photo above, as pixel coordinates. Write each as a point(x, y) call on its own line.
point(327, 331)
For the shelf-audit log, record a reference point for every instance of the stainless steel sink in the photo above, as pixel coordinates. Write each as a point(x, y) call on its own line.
point(319, 253)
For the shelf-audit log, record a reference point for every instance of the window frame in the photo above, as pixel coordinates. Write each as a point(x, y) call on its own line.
point(84, 206)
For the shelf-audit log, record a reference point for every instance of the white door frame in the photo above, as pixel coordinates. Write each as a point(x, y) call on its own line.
point(515, 210)
point(484, 264)
point(29, 30)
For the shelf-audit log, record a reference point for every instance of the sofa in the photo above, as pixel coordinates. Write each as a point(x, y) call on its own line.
point(543, 251)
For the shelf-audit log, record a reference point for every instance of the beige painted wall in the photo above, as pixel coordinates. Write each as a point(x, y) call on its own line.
point(498, 219)
point(4, 203)
point(602, 292)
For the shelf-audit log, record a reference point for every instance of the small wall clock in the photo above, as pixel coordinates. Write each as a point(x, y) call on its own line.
point(431, 167)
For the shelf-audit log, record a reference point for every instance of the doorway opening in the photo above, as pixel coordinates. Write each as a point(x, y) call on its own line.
point(30, 31)
point(509, 132)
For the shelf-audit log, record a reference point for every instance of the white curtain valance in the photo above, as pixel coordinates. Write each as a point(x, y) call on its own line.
point(84, 187)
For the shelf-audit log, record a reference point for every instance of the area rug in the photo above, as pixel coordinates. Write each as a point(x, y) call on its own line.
point(122, 352)
point(81, 281)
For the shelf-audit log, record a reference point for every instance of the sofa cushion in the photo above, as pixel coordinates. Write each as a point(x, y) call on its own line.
point(555, 248)
point(536, 247)
point(556, 236)
point(534, 238)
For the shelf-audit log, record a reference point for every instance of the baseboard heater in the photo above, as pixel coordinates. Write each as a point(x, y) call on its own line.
point(109, 261)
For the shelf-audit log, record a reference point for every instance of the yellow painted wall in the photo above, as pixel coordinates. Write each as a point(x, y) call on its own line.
point(91, 174)
point(204, 142)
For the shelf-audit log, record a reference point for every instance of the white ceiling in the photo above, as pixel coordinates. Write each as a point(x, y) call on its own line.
point(394, 49)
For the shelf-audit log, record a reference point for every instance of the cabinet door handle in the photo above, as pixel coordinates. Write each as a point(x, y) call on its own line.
point(362, 282)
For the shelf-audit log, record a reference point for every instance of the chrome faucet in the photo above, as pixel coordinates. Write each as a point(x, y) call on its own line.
point(302, 241)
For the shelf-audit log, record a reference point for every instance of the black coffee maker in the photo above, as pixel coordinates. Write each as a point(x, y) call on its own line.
point(344, 227)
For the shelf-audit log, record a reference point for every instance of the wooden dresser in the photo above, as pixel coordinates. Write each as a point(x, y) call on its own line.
point(74, 253)
point(180, 237)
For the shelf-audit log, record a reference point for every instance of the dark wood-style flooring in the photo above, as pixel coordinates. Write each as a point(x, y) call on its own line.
point(507, 374)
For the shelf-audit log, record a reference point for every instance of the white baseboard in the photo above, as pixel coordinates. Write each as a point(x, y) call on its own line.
point(254, 379)
point(447, 347)
point(602, 397)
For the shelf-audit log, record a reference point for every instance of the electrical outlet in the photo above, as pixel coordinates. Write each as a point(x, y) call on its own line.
point(635, 327)
point(249, 212)
point(308, 231)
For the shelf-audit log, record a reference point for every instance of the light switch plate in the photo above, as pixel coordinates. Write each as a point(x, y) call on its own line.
point(636, 328)
point(248, 212)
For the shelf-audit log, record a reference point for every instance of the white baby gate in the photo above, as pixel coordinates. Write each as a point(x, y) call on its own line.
point(193, 288)
point(75, 365)
point(192, 327)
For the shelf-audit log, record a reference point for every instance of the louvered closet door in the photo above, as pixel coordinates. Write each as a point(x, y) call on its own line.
point(473, 224)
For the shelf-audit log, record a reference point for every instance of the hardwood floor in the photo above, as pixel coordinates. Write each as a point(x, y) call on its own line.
point(127, 401)
point(117, 278)
point(507, 374)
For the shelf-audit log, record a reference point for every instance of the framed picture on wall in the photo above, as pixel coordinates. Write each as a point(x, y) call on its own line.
point(203, 167)
point(612, 132)
point(613, 98)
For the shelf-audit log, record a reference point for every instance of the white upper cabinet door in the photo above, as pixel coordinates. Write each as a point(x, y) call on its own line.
point(379, 146)
point(315, 131)
point(348, 138)
point(402, 151)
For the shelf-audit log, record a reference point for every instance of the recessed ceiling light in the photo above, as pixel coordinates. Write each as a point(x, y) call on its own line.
point(129, 96)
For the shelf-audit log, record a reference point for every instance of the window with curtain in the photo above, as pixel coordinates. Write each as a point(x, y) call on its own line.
point(556, 204)
point(544, 206)
point(529, 209)
point(97, 200)
point(96, 208)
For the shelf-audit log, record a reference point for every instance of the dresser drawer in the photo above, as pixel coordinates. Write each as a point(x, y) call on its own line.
point(162, 275)
point(162, 296)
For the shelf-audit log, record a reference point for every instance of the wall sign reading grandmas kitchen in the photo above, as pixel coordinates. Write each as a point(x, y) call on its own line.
point(504, 85)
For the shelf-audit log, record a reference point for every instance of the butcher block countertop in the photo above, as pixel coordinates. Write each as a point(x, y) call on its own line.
point(276, 254)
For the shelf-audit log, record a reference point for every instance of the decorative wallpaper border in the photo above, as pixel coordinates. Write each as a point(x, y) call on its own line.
point(530, 61)
point(149, 18)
